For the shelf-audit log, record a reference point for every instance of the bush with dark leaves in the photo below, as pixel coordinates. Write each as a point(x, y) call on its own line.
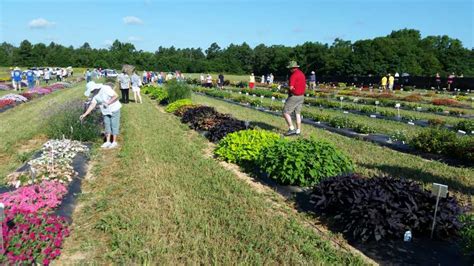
point(384, 207)
point(225, 126)
point(197, 113)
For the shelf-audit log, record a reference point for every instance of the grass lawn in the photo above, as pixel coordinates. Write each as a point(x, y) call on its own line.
point(370, 159)
point(160, 200)
point(22, 128)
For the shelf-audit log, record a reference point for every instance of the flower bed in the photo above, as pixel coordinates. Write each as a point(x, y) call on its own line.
point(32, 234)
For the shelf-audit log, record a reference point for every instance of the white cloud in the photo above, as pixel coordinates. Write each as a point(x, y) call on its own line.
point(131, 20)
point(134, 39)
point(40, 23)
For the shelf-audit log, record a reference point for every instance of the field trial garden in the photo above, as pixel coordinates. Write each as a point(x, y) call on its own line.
point(208, 174)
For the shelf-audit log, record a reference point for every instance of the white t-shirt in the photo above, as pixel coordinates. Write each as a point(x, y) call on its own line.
point(105, 94)
point(124, 80)
point(46, 74)
point(209, 79)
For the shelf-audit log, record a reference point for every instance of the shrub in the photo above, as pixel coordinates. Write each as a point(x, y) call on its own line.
point(447, 102)
point(172, 107)
point(225, 126)
point(199, 117)
point(384, 207)
point(341, 122)
point(245, 146)
point(159, 94)
point(63, 121)
point(303, 162)
point(181, 110)
point(465, 125)
point(467, 232)
point(413, 98)
point(437, 141)
point(436, 122)
point(177, 91)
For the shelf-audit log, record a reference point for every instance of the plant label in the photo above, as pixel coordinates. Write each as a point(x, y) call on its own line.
point(411, 123)
point(397, 105)
point(341, 98)
point(261, 96)
point(462, 132)
point(373, 116)
point(377, 102)
point(273, 98)
point(345, 112)
point(439, 190)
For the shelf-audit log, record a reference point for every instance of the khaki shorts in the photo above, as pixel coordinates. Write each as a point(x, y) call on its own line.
point(293, 104)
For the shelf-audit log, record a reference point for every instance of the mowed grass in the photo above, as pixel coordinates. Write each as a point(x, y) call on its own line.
point(370, 159)
point(159, 200)
point(22, 128)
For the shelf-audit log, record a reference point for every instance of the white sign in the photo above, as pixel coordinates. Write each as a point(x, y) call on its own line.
point(377, 102)
point(439, 190)
point(397, 105)
point(373, 116)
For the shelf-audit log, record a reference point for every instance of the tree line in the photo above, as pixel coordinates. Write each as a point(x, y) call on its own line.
point(401, 51)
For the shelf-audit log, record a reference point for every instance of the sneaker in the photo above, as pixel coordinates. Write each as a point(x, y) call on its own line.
point(290, 132)
point(298, 132)
point(106, 145)
point(113, 145)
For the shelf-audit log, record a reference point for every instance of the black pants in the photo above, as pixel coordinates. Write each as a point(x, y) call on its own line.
point(125, 97)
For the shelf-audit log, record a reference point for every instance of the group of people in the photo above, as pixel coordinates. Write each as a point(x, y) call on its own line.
point(33, 77)
point(126, 82)
point(387, 82)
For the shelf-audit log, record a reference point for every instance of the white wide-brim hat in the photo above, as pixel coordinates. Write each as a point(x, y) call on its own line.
point(90, 87)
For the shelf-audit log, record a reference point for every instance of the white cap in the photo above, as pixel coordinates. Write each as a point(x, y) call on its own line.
point(90, 87)
point(312, 72)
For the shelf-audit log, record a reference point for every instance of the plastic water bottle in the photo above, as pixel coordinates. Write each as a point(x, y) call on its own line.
point(407, 236)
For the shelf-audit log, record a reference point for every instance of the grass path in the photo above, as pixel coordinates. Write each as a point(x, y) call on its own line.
point(22, 127)
point(370, 158)
point(159, 200)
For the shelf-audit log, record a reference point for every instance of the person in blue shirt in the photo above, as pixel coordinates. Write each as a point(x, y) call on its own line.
point(30, 78)
point(17, 79)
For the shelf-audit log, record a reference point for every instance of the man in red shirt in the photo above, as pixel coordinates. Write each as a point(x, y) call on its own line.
point(295, 100)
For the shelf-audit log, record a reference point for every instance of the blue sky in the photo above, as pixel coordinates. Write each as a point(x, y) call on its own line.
point(149, 24)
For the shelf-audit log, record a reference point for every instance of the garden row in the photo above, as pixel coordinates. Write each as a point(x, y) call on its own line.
point(366, 208)
point(11, 100)
point(33, 229)
point(408, 111)
point(466, 126)
point(435, 141)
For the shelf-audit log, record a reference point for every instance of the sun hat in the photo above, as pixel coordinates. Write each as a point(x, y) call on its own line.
point(293, 64)
point(90, 87)
point(312, 72)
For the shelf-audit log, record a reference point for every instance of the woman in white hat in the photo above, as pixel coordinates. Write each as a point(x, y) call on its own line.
point(110, 106)
point(312, 81)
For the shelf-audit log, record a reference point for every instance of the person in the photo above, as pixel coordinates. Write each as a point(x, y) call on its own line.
point(221, 81)
point(450, 81)
point(144, 77)
point(391, 81)
point(30, 79)
point(384, 82)
point(148, 77)
point(252, 81)
point(271, 79)
point(295, 100)
point(202, 80)
point(37, 77)
point(209, 81)
point(107, 99)
point(63, 74)
point(268, 79)
point(160, 78)
point(124, 84)
point(88, 75)
point(47, 75)
point(16, 79)
point(262, 79)
point(136, 87)
point(438, 81)
point(312, 81)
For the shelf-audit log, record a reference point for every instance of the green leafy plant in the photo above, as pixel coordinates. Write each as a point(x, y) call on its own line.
point(303, 162)
point(63, 121)
point(436, 122)
point(245, 146)
point(172, 107)
point(177, 91)
point(465, 125)
point(467, 232)
point(435, 141)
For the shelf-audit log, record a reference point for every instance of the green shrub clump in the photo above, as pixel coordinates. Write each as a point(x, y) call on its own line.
point(465, 125)
point(467, 232)
point(156, 93)
point(177, 91)
point(303, 162)
point(172, 107)
point(64, 122)
point(245, 147)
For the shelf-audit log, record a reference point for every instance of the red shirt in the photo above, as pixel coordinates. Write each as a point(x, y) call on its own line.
point(298, 81)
